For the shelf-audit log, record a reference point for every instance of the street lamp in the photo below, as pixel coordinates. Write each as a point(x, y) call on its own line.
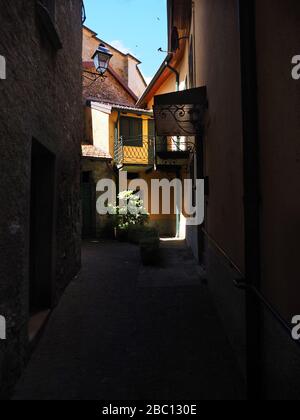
point(102, 58)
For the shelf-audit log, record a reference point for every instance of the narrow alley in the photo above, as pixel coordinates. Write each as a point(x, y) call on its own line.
point(126, 332)
point(123, 124)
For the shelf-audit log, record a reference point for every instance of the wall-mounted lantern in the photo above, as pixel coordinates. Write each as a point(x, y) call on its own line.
point(102, 58)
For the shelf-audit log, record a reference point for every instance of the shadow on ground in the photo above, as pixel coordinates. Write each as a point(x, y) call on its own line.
point(126, 332)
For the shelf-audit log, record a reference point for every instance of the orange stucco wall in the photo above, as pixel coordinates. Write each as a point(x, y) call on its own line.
point(124, 65)
point(217, 64)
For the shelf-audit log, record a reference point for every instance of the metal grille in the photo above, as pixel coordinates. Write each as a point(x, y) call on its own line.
point(135, 155)
point(174, 144)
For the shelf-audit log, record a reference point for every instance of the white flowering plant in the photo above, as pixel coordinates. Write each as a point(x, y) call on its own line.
point(130, 211)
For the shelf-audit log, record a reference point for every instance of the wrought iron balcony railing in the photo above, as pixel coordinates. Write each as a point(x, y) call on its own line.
point(147, 151)
point(174, 144)
point(138, 150)
point(173, 151)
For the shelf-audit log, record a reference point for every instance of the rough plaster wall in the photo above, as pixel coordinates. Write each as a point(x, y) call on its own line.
point(278, 33)
point(100, 129)
point(218, 68)
point(41, 98)
point(135, 81)
point(118, 62)
point(120, 65)
point(89, 45)
point(124, 65)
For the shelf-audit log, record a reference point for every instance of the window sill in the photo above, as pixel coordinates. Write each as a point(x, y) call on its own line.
point(48, 26)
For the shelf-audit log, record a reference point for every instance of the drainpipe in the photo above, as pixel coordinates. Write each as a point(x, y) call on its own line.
point(117, 130)
point(251, 195)
point(117, 148)
point(176, 74)
point(177, 192)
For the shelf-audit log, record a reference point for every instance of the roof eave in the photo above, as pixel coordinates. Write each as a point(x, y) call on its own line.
point(158, 74)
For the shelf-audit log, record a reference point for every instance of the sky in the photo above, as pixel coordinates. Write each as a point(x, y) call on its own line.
point(138, 27)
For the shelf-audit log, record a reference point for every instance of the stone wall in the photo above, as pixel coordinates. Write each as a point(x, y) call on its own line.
point(41, 99)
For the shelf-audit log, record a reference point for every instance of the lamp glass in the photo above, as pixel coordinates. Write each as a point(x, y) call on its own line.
point(102, 58)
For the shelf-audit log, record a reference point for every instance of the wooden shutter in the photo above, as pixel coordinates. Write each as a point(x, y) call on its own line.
point(125, 130)
point(137, 127)
point(132, 131)
point(151, 129)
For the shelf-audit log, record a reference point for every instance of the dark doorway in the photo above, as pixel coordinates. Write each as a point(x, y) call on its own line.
point(41, 228)
point(88, 196)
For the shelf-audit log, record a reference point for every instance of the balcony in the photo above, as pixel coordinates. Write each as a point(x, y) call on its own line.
point(135, 153)
point(143, 153)
point(173, 151)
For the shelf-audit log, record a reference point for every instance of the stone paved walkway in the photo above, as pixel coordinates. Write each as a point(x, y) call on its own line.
point(125, 332)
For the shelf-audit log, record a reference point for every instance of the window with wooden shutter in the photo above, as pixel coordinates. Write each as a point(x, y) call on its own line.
point(131, 131)
point(151, 129)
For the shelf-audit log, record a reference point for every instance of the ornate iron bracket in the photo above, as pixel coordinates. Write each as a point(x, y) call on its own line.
point(180, 120)
point(93, 77)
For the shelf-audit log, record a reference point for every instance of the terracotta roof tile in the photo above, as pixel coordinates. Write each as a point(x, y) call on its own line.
point(119, 106)
point(90, 151)
point(89, 65)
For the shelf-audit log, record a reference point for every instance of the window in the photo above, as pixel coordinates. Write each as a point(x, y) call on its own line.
point(131, 130)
